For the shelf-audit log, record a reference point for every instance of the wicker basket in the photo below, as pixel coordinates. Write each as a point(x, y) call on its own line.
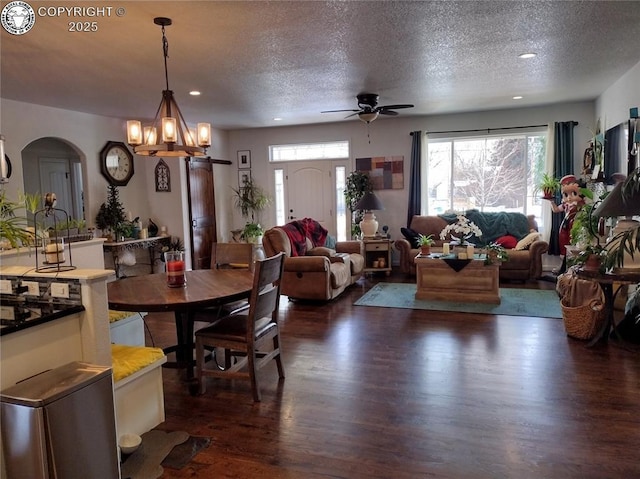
point(583, 322)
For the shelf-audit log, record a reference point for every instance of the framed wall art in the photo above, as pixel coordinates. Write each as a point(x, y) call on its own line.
point(386, 172)
point(163, 176)
point(244, 159)
point(243, 177)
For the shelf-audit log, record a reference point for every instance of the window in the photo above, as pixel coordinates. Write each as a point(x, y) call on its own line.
point(278, 176)
point(333, 150)
point(488, 173)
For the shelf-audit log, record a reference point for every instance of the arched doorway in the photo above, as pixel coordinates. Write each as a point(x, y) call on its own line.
point(53, 165)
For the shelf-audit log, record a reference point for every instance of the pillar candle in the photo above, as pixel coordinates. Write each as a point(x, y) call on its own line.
point(54, 253)
point(470, 251)
point(445, 248)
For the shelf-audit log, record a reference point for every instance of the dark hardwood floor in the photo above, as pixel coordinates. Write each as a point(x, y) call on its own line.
point(397, 393)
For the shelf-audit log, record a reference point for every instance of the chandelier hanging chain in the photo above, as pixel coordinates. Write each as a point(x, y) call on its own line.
point(165, 51)
point(175, 138)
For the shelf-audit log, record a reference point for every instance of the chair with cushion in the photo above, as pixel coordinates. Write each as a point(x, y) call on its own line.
point(314, 268)
point(249, 340)
point(232, 255)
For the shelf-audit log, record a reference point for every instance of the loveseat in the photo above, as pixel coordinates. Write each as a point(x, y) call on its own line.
point(524, 246)
point(315, 268)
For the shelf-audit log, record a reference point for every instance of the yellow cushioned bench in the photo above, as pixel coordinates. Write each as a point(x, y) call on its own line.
point(139, 396)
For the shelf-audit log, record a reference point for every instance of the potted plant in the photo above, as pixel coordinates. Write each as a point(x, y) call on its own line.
point(495, 253)
point(548, 185)
point(357, 185)
point(591, 258)
point(251, 200)
point(252, 233)
point(111, 213)
point(425, 243)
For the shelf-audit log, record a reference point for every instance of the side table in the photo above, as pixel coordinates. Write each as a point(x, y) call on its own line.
point(606, 281)
point(377, 255)
point(151, 244)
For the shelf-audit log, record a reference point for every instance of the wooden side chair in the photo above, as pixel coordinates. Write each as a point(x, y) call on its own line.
point(224, 256)
point(251, 339)
point(232, 255)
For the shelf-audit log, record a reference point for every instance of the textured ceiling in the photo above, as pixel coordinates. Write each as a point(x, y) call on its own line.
point(254, 61)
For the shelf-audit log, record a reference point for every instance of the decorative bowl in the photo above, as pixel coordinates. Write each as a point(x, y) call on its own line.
point(129, 443)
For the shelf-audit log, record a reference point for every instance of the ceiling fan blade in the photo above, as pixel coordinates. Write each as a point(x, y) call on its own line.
point(337, 111)
point(394, 107)
point(357, 112)
point(388, 112)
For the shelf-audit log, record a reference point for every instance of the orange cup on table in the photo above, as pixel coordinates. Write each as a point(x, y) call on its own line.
point(175, 269)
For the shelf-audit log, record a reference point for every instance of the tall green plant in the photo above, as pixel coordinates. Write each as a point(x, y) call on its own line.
point(357, 185)
point(250, 199)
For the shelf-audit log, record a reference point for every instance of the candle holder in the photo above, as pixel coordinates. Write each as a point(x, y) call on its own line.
point(174, 261)
point(53, 249)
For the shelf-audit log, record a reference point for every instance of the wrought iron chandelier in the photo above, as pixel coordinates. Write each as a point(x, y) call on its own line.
point(176, 139)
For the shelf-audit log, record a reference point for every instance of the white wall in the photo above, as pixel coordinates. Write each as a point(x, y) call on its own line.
point(22, 123)
point(613, 105)
point(391, 137)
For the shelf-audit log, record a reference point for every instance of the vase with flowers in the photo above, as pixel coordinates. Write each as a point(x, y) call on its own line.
point(461, 231)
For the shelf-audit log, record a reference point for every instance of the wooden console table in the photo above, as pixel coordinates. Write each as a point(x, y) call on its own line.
point(151, 244)
point(474, 283)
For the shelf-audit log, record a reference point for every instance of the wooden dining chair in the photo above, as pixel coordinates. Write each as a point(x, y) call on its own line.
point(249, 340)
point(225, 256)
point(232, 255)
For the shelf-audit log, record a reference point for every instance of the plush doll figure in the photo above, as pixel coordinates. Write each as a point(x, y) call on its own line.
point(572, 201)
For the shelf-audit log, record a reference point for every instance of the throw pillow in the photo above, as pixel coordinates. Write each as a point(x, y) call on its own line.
point(330, 242)
point(411, 236)
point(525, 242)
point(508, 241)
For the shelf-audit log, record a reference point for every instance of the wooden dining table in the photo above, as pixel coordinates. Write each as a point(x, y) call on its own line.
point(204, 288)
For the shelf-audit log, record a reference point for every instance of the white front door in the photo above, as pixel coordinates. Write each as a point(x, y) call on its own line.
point(310, 192)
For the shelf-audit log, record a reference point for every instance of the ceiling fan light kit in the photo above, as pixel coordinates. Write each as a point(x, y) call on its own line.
point(369, 110)
point(177, 138)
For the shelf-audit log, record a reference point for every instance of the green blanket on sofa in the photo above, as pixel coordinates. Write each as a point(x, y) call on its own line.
point(493, 224)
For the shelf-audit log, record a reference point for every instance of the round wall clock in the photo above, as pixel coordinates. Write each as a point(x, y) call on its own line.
point(116, 163)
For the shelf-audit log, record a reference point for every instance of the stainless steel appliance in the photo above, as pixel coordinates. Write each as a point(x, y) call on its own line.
point(61, 424)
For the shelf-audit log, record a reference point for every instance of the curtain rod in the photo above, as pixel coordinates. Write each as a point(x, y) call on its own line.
point(488, 130)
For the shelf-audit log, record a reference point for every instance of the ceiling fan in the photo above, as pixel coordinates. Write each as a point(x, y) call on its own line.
point(368, 110)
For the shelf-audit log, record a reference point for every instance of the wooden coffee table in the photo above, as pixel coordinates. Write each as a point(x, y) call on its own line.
point(474, 283)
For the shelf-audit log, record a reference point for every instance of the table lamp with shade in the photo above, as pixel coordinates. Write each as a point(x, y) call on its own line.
point(368, 203)
point(625, 232)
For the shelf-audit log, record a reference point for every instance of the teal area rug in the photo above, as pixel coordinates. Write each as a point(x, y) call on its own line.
point(514, 301)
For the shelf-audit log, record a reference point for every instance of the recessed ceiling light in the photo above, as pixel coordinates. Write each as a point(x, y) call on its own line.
point(517, 97)
point(527, 55)
point(277, 118)
point(194, 93)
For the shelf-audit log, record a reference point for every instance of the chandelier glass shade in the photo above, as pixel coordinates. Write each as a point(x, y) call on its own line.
point(175, 138)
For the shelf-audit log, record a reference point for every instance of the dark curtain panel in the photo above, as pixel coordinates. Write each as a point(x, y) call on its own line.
point(632, 160)
point(612, 153)
point(562, 165)
point(414, 176)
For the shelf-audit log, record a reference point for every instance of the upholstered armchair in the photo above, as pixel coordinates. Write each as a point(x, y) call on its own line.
point(311, 271)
